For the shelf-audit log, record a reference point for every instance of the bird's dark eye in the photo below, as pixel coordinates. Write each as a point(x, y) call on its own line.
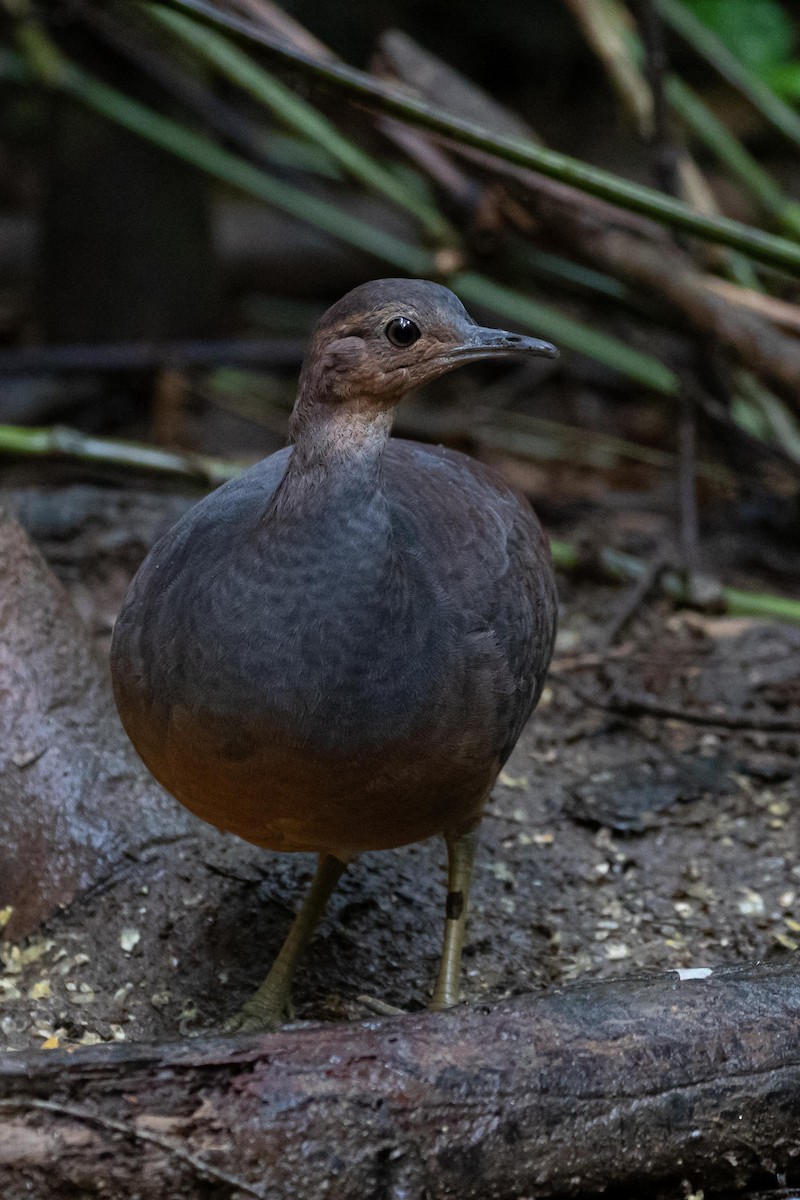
point(401, 331)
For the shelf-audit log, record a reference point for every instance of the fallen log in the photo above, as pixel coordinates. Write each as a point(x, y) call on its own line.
point(640, 1082)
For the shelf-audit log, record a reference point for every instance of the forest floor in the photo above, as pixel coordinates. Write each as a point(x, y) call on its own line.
point(612, 844)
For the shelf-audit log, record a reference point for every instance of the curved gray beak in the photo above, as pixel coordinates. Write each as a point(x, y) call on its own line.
point(498, 343)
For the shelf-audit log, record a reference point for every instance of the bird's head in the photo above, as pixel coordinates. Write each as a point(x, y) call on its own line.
point(389, 336)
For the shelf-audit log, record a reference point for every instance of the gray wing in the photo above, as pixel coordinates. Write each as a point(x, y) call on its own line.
point(492, 561)
point(147, 637)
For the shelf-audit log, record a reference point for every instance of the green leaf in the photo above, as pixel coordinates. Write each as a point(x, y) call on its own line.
point(758, 32)
point(785, 79)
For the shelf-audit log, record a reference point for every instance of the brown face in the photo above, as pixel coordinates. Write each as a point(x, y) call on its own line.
point(389, 336)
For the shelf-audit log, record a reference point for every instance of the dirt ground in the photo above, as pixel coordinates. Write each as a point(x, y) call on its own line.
point(611, 844)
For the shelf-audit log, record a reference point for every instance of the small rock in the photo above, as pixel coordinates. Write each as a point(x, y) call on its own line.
point(501, 871)
point(751, 904)
point(516, 783)
point(617, 950)
point(129, 939)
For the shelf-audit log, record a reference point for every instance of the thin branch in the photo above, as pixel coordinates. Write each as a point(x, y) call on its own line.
point(633, 600)
point(667, 174)
point(609, 29)
point(640, 705)
point(687, 485)
point(779, 312)
point(656, 67)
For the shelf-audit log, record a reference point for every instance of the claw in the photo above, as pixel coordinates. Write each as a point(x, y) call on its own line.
point(259, 1018)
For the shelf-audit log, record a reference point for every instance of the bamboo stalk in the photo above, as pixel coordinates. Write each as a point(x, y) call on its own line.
point(608, 27)
point(61, 442)
point(303, 118)
point(391, 100)
point(195, 148)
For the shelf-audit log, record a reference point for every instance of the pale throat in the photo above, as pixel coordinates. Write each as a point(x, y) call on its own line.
point(349, 435)
point(334, 472)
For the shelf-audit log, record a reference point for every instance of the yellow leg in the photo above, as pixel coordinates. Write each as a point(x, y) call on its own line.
point(460, 856)
point(271, 1006)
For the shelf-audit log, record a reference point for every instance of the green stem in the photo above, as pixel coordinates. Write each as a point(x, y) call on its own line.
point(708, 45)
point(387, 99)
point(624, 567)
point(197, 149)
point(610, 32)
point(782, 424)
point(554, 269)
point(61, 442)
point(710, 130)
point(303, 118)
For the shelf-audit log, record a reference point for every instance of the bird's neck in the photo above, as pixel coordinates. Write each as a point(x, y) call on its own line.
point(331, 500)
point(332, 439)
point(338, 446)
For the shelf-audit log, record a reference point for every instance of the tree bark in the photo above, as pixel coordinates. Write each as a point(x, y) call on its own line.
point(622, 1085)
point(74, 796)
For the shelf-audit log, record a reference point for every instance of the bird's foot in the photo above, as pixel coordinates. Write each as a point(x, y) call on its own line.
point(260, 1015)
point(380, 1007)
